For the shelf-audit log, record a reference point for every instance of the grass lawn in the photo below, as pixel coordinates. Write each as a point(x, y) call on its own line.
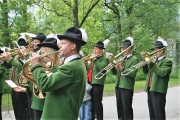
point(108, 91)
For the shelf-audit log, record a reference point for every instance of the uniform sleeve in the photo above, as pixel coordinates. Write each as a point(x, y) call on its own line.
point(145, 69)
point(55, 81)
point(133, 74)
point(2, 70)
point(101, 64)
point(15, 62)
point(164, 70)
point(114, 71)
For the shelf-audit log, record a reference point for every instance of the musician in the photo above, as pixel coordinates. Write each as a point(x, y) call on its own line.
point(97, 84)
point(157, 78)
point(124, 85)
point(19, 99)
point(49, 45)
point(37, 104)
point(2, 78)
point(39, 38)
point(66, 87)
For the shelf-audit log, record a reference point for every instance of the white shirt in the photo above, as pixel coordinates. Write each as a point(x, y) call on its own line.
point(72, 57)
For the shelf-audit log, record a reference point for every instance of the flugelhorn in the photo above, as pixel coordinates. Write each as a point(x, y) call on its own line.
point(147, 58)
point(113, 61)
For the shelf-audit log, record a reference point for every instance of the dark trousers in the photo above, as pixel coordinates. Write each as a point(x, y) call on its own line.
point(124, 99)
point(96, 99)
point(20, 105)
point(156, 104)
point(37, 114)
point(1, 105)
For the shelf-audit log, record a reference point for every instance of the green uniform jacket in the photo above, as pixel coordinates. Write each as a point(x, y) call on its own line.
point(99, 64)
point(160, 76)
point(38, 104)
point(65, 90)
point(2, 77)
point(14, 63)
point(128, 81)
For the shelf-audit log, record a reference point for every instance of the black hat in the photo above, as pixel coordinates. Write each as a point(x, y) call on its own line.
point(22, 41)
point(99, 44)
point(49, 42)
point(74, 34)
point(1, 51)
point(40, 37)
point(128, 42)
point(158, 44)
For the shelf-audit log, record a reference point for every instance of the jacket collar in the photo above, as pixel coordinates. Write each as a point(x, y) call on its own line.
point(72, 57)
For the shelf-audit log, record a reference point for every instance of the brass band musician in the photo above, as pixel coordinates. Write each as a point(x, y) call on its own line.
point(19, 99)
point(124, 85)
point(157, 78)
point(98, 63)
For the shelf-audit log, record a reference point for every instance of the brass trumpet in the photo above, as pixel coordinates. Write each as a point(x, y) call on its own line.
point(147, 58)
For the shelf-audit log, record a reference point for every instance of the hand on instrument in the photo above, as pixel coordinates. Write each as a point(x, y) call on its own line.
point(85, 60)
point(6, 56)
point(19, 89)
point(119, 66)
point(35, 58)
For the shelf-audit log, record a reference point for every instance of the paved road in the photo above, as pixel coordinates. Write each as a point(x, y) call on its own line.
point(139, 106)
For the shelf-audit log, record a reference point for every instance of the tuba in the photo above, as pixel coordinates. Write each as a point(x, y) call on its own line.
point(147, 58)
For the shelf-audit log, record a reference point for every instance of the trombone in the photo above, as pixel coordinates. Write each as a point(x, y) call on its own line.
point(114, 60)
point(147, 58)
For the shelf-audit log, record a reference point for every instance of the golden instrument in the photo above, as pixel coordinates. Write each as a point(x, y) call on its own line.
point(92, 58)
point(28, 74)
point(147, 58)
point(14, 51)
point(138, 65)
point(22, 81)
point(113, 61)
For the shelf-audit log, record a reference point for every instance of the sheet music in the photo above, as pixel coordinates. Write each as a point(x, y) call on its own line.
point(11, 83)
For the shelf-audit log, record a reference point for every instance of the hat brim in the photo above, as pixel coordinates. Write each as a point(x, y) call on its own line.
point(156, 47)
point(124, 46)
point(48, 45)
point(99, 46)
point(41, 40)
point(80, 42)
